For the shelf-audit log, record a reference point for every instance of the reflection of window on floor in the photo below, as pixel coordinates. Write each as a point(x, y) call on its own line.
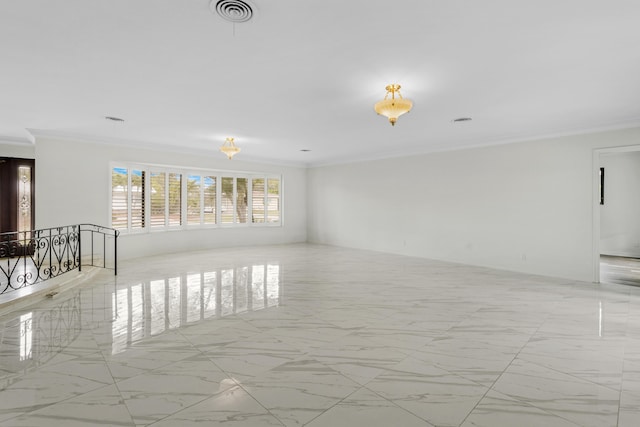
point(173, 302)
point(156, 310)
point(137, 321)
point(120, 324)
point(226, 293)
point(209, 294)
point(26, 336)
point(194, 297)
point(176, 301)
point(241, 302)
point(40, 336)
point(257, 287)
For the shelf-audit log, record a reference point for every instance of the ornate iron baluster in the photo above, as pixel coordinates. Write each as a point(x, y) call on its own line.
point(29, 257)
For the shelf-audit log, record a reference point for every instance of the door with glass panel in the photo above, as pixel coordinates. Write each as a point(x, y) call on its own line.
point(17, 199)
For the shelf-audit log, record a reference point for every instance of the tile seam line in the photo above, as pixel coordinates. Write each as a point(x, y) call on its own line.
point(238, 384)
point(61, 401)
point(624, 358)
point(505, 369)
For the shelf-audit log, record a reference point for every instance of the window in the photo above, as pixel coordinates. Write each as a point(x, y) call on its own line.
point(119, 198)
point(235, 200)
point(226, 206)
point(137, 198)
point(257, 198)
point(175, 199)
point(150, 198)
point(242, 200)
point(209, 193)
point(265, 204)
point(194, 199)
point(273, 200)
point(158, 199)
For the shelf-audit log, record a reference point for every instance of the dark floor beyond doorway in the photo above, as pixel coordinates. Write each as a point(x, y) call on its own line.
point(620, 270)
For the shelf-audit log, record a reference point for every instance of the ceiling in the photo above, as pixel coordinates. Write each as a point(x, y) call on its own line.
point(304, 75)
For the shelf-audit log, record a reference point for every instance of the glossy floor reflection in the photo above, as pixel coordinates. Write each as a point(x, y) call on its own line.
point(620, 270)
point(320, 336)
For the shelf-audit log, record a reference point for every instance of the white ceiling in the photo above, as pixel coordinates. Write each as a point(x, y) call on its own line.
point(305, 74)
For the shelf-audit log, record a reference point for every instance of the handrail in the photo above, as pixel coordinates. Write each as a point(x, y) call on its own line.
point(30, 257)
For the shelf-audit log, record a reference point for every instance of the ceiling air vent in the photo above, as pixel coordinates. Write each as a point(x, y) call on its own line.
point(236, 11)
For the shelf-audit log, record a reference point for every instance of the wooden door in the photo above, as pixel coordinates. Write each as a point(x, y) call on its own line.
point(17, 213)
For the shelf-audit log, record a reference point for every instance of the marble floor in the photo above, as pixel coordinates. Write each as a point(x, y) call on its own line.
point(620, 270)
point(320, 336)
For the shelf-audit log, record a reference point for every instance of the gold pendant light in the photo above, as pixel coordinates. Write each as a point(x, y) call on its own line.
point(393, 107)
point(229, 148)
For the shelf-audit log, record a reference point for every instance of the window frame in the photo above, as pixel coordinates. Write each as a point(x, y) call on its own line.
point(185, 173)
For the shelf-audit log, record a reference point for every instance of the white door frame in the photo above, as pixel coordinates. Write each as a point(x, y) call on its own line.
point(596, 201)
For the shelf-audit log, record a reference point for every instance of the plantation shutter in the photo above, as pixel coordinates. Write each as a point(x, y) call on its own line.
point(193, 199)
point(209, 199)
point(257, 200)
point(137, 199)
point(158, 202)
point(273, 200)
point(119, 198)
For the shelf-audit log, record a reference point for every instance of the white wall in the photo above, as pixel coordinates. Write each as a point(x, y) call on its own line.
point(22, 151)
point(74, 182)
point(525, 207)
point(620, 214)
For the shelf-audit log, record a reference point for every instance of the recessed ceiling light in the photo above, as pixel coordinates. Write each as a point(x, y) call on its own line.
point(236, 11)
point(114, 119)
point(305, 150)
point(462, 119)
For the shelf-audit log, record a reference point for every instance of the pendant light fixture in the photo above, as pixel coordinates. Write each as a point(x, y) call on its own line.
point(393, 107)
point(229, 148)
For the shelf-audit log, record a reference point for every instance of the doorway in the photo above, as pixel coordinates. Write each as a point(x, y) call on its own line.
point(616, 219)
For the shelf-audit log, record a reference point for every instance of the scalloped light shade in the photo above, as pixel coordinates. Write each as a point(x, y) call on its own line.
point(393, 107)
point(229, 148)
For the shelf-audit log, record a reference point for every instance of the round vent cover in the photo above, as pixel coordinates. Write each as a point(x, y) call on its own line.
point(235, 11)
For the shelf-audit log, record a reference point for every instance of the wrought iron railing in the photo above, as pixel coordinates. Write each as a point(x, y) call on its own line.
point(30, 257)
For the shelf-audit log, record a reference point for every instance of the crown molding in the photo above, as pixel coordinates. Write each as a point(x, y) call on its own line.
point(145, 145)
point(470, 143)
point(12, 140)
point(487, 142)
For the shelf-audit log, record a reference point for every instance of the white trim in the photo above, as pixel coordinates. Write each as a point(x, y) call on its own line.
point(596, 201)
point(12, 140)
point(211, 152)
point(472, 143)
point(109, 213)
